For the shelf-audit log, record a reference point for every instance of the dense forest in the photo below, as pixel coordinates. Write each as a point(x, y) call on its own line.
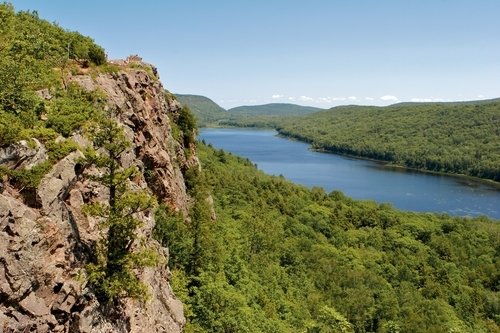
point(274, 109)
point(461, 138)
point(257, 253)
point(210, 114)
point(207, 112)
point(283, 258)
point(457, 137)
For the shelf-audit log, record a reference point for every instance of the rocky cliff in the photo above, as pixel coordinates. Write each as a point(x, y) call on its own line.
point(45, 239)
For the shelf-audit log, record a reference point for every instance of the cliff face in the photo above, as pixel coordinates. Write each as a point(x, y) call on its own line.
point(45, 240)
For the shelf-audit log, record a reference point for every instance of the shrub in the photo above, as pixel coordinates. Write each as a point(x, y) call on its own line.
point(10, 128)
point(97, 55)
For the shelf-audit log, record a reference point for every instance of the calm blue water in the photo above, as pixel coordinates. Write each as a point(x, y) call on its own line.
point(360, 179)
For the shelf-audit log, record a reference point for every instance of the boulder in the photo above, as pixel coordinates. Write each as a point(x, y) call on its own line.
point(44, 250)
point(23, 154)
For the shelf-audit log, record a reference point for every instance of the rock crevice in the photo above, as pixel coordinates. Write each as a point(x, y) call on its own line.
point(43, 250)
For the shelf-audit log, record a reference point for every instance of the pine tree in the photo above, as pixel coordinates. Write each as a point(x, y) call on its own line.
point(119, 251)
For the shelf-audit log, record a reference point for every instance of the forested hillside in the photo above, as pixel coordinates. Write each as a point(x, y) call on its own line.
point(210, 114)
point(461, 138)
point(206, 111)
point(274, 109)
point(99, 167)
point(282, 258)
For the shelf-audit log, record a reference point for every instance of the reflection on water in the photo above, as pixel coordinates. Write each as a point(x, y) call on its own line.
point(361, 179)
point(482, 185)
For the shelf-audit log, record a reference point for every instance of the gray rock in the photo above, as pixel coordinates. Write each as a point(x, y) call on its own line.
point(56, 184)
point(43, 249)
point(23, 154)
point(45, 94)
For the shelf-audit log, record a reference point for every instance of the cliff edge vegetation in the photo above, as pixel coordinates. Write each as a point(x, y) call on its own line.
point(90, 152)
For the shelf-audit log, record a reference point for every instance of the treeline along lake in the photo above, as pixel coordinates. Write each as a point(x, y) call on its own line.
point(361, 179)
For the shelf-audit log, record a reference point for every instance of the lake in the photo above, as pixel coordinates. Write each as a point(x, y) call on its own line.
point(360, 179)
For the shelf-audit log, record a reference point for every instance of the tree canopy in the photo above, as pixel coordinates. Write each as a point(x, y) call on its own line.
point(283, 258)
point(461, 138)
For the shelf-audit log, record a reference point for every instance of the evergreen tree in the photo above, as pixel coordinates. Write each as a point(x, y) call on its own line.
point(118, 252)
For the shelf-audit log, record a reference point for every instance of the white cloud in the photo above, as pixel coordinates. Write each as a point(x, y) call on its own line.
point(352, 98)
point(480, 96)
point(389, 98)
point(277, 96)
point(305, 98)
point(291, 99)
point(338, 98)
point(369, 98)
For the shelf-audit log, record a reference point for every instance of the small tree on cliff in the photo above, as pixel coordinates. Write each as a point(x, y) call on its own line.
point(118, 252)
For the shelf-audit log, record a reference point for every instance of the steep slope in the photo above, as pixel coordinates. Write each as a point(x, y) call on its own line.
point(284, 258)
point(46, 240)
point(88, 149)
point(205, 110)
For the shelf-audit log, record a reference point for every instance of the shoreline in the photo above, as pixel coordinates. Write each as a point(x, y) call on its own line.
point(384, 164)
point(389, 165)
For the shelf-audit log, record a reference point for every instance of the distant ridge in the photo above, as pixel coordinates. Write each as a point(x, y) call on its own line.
point(208, 113)
point(205, 110)
point(450, 137)
point(275, 109)
point(481, 101)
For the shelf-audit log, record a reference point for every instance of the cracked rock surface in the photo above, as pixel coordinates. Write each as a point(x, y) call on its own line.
point(45, 242)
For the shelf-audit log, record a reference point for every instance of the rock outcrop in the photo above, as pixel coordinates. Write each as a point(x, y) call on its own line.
point(44, 247)
point(23, 155)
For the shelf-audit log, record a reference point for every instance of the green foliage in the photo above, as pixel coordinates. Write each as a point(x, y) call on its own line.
point(445, 137)
point(283, 258)
point(205, 110)
point(59, 149)
point(210, 114)
point(31, 51)
point(119, 251)
point(96, 54)
point(274, 109)
point(30, 48)
point(109, 68)
point(187, 125)
point(73, 108)
point(30, 178)
point(330, 321)
point(172, 232)
point(257, 121)
point(10, 128)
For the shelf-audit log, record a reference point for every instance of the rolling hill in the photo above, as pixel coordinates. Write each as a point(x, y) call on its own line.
point(274, 109)
point(204, 109)
point(210, 114)
point(461, 138)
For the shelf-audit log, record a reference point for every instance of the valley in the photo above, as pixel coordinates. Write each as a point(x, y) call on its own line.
point(360, 179)
point(120, 212)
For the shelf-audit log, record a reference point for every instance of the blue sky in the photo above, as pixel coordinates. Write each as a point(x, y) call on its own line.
point(315, 52)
